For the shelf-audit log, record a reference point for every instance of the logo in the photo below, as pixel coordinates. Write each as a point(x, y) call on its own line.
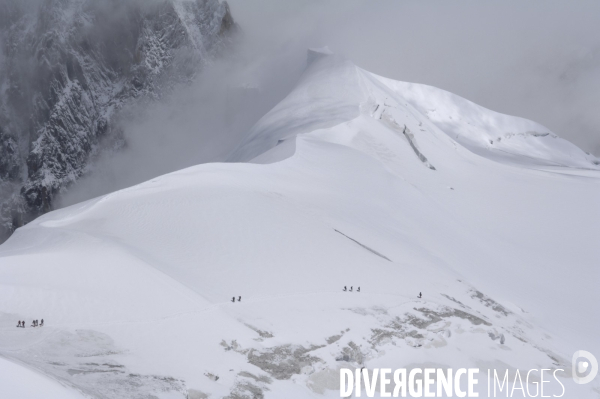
point(580, 367)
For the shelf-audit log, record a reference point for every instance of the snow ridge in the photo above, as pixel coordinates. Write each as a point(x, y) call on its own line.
point(136, 287)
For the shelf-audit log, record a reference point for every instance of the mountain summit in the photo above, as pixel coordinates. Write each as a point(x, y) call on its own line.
point(334, 90)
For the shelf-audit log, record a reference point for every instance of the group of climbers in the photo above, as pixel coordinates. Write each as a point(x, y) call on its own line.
point(34, 323)
point(358, 290)
point(345, 289)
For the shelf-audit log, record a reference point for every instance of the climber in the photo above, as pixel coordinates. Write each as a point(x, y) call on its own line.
point(358, 290)
point(233, 299)
point(420, 295)
point(19, 323)
point(42, 323)
point(240, 299)
point(350, 289)
point(345, 289)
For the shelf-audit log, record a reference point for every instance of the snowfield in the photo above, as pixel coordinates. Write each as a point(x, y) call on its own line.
point(352, 180)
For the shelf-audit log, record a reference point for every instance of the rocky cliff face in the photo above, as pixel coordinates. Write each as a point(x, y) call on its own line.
point(68, 66)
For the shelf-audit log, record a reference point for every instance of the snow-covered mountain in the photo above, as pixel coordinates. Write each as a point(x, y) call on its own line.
point(68, 66)
point(353, 180)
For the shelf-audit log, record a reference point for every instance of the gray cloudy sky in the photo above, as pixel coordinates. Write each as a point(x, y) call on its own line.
point(535, 59)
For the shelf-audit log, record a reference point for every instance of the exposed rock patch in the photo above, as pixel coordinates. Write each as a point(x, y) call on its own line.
point(490, 303)
point(84, 359)
point(283, 361)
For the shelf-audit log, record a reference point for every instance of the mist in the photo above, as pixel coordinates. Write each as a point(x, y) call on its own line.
point(197, 123)
point(539, 60)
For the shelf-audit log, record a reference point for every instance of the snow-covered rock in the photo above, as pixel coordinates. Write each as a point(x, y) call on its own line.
point(67, 67)
point(352, 183)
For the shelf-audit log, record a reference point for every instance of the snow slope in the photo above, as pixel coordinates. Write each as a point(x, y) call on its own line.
point(352, 180)
point(19, 382)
